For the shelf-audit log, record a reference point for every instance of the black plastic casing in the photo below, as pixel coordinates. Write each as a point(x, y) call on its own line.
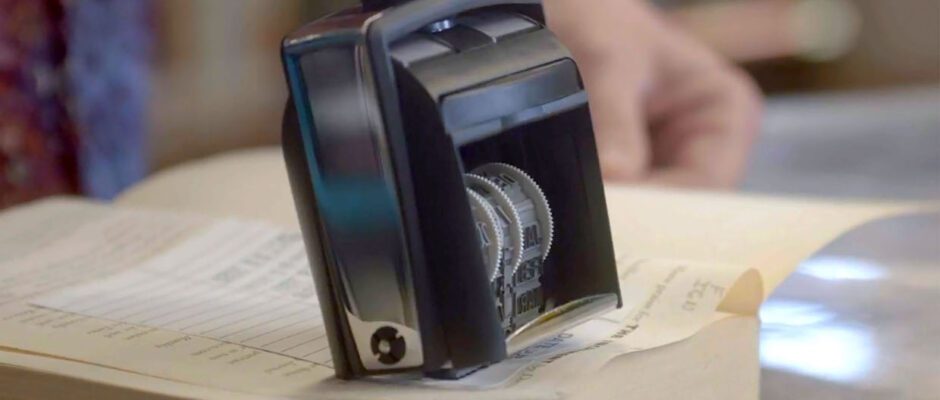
point(377, 138)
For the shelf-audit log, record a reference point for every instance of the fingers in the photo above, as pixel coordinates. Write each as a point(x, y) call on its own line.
point(665, 109)
point(615, 72)
point(704, 130)
point(704, 113)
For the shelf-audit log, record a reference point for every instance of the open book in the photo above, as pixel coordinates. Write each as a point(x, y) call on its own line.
point(101, 301)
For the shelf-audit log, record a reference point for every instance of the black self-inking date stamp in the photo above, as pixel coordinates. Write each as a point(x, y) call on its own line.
point(445, 174)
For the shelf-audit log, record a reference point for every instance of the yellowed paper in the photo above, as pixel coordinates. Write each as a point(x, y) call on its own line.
point(43, 365)
point(665, 301)
point(203, 289)
point(772, 235)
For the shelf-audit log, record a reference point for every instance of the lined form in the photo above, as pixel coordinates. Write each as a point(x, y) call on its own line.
point(240, 282)
point(56, 244)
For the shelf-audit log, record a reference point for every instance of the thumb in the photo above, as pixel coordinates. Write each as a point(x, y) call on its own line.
point(614, 88)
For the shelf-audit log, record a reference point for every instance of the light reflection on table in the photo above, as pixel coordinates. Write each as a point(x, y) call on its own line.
point(859, 320)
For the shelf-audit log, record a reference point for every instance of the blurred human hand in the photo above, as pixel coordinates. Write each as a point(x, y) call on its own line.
point(666, 109)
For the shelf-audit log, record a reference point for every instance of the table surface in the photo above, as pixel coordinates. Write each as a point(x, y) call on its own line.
point(860, 319)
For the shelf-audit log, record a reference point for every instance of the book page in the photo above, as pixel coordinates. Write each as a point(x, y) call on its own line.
point(248, 284)
point(95, 242)
point(46, 377)
point(243, 283)
point(90, 241)
point(151, 306)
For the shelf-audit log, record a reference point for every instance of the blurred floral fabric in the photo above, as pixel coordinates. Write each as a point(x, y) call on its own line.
point(37, 140)
point(73, 92)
